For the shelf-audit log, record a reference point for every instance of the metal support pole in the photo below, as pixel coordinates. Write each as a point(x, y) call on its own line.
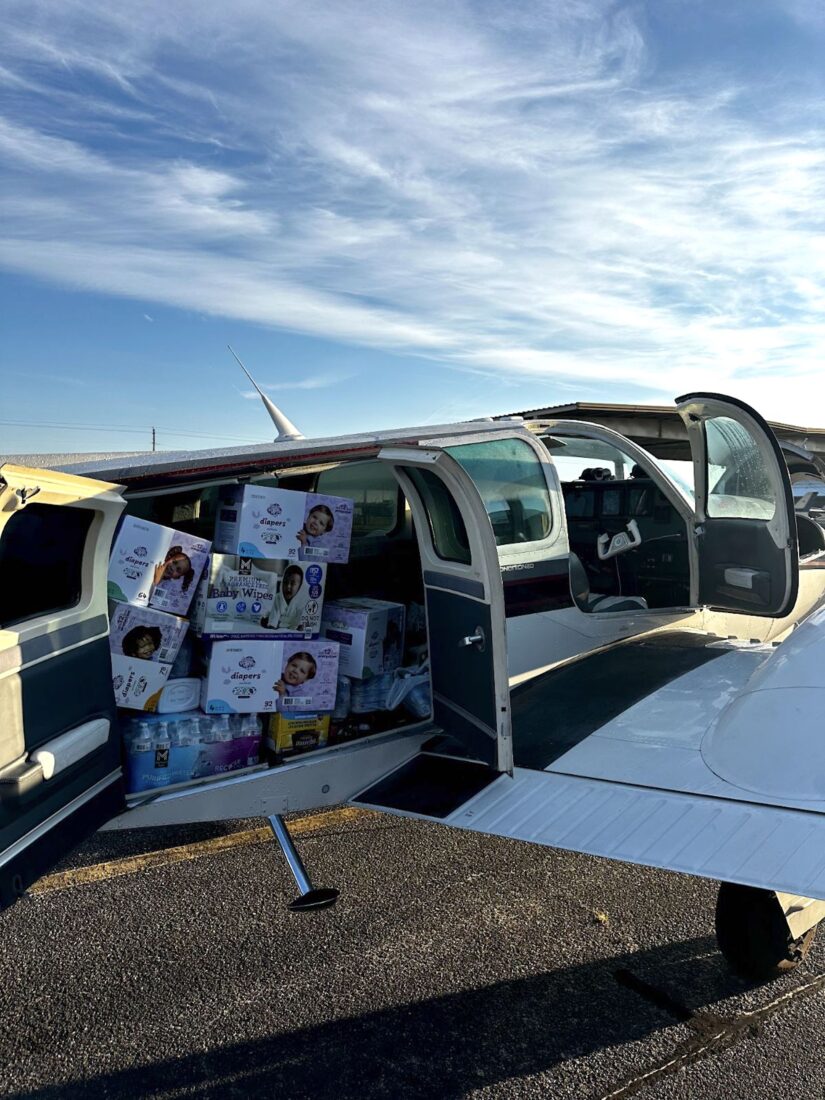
point(309, 898)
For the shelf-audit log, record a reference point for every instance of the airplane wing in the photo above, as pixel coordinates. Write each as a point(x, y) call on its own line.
point(685, 752)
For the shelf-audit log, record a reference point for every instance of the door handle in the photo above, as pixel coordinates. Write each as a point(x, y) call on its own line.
point(479, 640)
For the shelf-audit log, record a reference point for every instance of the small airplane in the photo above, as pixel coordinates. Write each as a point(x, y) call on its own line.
point(619, 664)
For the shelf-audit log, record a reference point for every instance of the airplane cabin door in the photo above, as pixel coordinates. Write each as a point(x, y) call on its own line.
point(464, 602)
point(60, 771)
point(745, 522)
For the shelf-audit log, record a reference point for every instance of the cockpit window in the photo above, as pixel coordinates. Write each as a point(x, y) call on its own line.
point(510, 479)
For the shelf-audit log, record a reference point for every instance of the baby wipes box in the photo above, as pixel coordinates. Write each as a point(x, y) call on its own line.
point(267, 597)
point(308, 676)
point(155, 566)
point(293, 733)
point(241, 676)
point(370, 633)
point(138, 684)
point(145, 634)
point(259, 522)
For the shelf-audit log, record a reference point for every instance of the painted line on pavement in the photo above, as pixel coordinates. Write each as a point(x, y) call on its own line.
point(163, 857)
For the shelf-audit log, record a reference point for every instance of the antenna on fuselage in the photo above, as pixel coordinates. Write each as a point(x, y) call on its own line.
point(286, 429)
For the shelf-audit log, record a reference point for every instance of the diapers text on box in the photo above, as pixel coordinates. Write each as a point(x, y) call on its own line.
point(137, 684)
point(261, 522)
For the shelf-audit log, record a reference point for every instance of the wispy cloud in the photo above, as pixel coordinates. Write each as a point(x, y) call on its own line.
point(543, 191)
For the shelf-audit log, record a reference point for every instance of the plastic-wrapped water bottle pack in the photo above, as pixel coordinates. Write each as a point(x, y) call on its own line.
point(162, 750)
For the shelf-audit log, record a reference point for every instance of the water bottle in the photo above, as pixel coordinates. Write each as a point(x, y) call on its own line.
point(222, 731)
point(138, 758)
point(161, 745)
point(251, 729)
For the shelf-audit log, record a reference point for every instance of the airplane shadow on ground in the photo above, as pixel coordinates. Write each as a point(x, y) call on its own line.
point(443, 1047)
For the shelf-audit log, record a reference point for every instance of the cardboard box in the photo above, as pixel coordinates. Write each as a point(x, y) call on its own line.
point(267, 597)
point(255, 676)
point(145, 634)
point(369, 632)
point(308, 678)
point(241, 676)
point(258, 522)
point(137, 684)
point(144, 551)
point(327, 528)
point(290, 734)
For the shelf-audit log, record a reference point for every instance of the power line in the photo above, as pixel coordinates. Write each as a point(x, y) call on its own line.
point(125, 431)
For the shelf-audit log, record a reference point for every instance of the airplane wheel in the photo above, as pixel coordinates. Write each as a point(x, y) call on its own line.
point(752, 933)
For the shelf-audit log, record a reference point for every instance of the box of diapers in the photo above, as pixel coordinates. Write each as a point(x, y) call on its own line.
point(144, 633)
point(155, 566)
point(261, 522)
point(249, 676)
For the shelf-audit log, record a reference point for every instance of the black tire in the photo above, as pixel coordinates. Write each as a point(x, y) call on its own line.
point(752, 933)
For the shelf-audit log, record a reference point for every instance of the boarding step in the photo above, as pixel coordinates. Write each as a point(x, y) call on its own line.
point(428, 786)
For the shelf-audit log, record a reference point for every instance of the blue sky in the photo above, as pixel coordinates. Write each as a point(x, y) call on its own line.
point(404, 213)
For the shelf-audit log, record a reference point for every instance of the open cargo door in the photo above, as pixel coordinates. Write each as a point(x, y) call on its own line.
point(745, 520)
point(60, 773)
point(464, 602)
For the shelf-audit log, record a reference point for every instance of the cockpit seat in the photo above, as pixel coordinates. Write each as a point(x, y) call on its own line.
point(810, 535)
point(597, 601)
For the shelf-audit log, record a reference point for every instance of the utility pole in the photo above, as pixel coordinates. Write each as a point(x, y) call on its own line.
point(154, 439)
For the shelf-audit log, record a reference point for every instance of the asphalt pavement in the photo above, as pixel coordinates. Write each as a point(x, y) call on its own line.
point(453, 965)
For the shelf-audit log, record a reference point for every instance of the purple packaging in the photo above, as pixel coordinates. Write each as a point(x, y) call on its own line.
point(259, 522)
point(327, 529)
point(256, 676)
point(183, 565)
point(161, 750)
point(145, 634)
point(155, 566)
point(309, 676)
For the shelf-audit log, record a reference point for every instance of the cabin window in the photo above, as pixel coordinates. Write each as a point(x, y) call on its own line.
point(510, 478)
point(374, 491)
point(739, 484)
point(41, 561)
point(447, 528)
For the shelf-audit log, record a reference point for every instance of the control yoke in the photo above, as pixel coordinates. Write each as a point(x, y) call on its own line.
point(607, 547)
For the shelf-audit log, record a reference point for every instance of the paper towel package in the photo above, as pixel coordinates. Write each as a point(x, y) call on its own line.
point(145, 634)
point(268, 597)
point(155, 566)
point(259, 522)
point(289, 734)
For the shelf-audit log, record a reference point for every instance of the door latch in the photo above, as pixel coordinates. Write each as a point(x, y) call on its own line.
point(478, 640)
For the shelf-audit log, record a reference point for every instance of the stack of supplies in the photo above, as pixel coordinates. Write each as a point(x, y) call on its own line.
point(260, 677)
point(369, 632)
point(259, 522)
point(153, 574)
point(266, 597)
point(164, 750)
